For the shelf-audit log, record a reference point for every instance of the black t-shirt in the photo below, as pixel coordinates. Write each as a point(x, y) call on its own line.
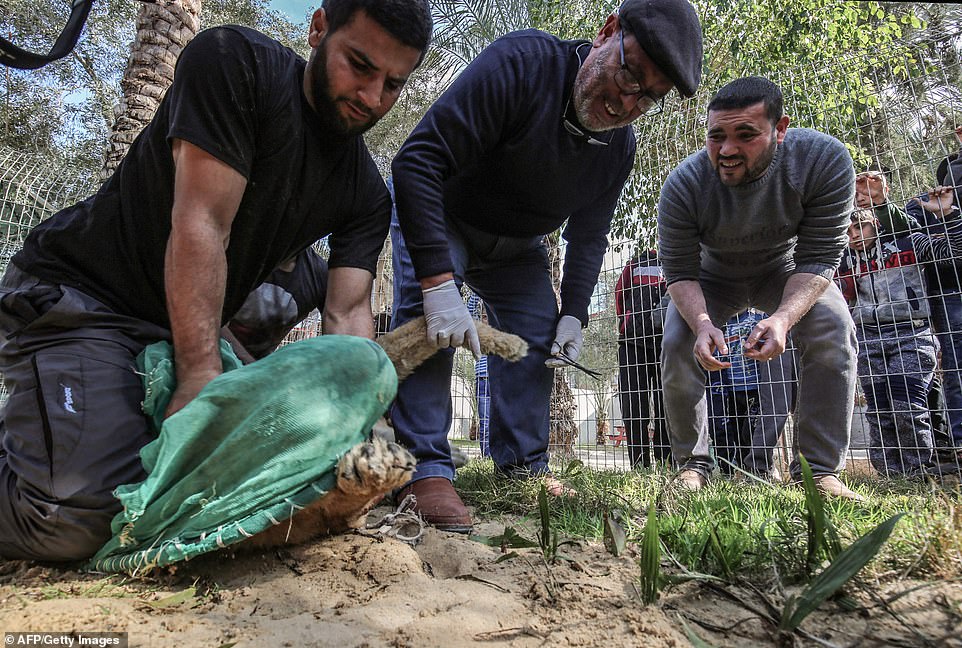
point(237, 94)
point(280, 303)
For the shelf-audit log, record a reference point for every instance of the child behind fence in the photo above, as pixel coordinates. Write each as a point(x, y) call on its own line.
point(883, 283)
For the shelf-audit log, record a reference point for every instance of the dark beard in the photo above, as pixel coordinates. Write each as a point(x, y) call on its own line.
point(325, 107)
point(757, 171)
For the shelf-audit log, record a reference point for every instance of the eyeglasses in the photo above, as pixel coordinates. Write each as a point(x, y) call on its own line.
point(629, 85)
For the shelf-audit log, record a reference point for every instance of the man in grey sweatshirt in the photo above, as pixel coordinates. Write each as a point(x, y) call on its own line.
point(758, 218)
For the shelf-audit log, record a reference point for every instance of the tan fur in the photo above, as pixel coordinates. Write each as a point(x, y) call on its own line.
point(408, 345)
point(364, 475)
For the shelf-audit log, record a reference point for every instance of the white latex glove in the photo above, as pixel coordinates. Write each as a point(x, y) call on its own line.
point(568, 338)
point(448, 320)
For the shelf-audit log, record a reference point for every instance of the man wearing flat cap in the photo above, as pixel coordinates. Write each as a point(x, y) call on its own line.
point(535, 133)
point(758, 217)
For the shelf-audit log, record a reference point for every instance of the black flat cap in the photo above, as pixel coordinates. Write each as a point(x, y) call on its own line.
point(670, 34)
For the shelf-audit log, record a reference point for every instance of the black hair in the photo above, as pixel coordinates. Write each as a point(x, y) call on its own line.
point(943, 171)
point(748, 91)
point(409, 21)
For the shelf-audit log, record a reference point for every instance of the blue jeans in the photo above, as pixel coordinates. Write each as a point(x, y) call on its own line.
point(896, 365)
point(731, 420)
point(513, 278)
point(947, 322)
point(484, 415)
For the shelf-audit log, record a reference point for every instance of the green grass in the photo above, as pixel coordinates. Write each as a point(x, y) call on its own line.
point(751, 530)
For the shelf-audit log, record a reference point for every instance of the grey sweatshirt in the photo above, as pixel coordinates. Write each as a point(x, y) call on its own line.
point(794, 217)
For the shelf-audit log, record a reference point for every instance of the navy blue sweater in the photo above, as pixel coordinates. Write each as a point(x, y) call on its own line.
point(493, 152)
point(942, 279)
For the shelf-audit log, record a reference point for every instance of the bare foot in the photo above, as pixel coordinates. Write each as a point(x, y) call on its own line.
point(365, 474)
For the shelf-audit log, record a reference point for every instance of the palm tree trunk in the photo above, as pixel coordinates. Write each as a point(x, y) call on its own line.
point(601, 426)
point(164, 27)
point(563, 431)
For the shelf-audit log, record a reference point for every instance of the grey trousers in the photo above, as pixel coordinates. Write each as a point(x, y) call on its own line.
point(72, 426)
point(827, 373)
point(776, 399)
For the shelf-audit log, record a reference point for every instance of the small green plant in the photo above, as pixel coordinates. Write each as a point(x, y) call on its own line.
point(822, 537)
point(509, 539)
point(695, 640)
point(651, 576)
point(614, 532)
point(846, 564)
point(548, 536)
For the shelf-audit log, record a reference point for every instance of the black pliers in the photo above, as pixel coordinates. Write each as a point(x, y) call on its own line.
point(564, 357)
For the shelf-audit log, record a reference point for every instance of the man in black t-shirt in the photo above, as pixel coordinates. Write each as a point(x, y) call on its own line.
point(252, 156)
point(534, 134)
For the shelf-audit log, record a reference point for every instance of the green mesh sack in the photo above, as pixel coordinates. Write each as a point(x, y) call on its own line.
point(258, 443)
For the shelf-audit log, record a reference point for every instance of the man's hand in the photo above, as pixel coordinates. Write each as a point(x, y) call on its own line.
point(689, 300)
point(448, 320)
point(871, 190)
point(767, 340)
point(567, 339)
point(939, 201)
point(239, 350)
point(708, 340)
point(187, 389)
point(958, 134)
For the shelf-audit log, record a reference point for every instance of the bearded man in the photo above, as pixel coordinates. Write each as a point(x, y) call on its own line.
point(252, 156)
point(534, 134)
point(758, 219)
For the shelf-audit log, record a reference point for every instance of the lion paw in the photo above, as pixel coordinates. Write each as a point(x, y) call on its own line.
point(374, 468)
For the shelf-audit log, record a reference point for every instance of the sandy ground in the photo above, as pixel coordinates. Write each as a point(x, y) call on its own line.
point(450, 591)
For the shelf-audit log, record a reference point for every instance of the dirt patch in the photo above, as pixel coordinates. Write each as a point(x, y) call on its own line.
point(360, 591)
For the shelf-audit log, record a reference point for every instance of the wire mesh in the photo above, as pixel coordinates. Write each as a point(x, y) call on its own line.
point(894, 121)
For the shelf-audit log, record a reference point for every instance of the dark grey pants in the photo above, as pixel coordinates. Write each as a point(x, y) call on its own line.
point(72, 426)
point(825, 339)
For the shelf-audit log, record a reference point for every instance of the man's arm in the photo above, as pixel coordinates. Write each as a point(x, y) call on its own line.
point(239, 350)
point(690, 302)
point(207, 193)
point(465, 122)
point(827, 200)
point(872, 192)
point(830, 196)
point(347, 310)
point(768, 339)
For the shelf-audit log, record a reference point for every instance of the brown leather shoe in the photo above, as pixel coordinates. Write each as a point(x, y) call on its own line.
point(439, 504)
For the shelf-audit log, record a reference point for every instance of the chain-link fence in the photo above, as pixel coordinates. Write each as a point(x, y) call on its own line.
point(896, 113)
